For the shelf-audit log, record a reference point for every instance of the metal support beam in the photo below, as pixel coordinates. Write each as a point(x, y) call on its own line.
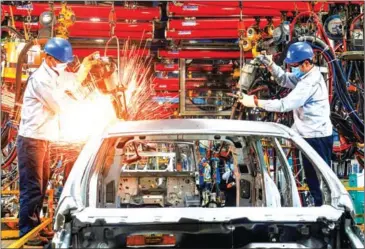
point(9, 220)
point(9, 192)
point(88, 11)
point(20, 243)
point(201, 54)
point(206, 113)
point(9, 234)
point(305, 188)
point(214, 24)
point(182, 90)
point(50, 201)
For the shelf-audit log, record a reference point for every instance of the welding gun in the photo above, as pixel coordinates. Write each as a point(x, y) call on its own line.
point(104, 77)
point(249, 72)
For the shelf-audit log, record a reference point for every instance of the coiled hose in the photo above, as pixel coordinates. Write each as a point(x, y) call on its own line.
point(10, 129)
point(340, 82)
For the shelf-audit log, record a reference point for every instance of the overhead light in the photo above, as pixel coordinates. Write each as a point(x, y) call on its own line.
point(95, 19)
point(99, 40)
point(46, 18)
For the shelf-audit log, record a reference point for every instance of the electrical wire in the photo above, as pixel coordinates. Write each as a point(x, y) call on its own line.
point(340, 82)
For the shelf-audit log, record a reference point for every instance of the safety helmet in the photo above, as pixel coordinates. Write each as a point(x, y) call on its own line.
point(298, 52)
point(60, 49)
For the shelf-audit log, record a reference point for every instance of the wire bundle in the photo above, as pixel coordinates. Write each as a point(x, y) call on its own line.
point(340, 82)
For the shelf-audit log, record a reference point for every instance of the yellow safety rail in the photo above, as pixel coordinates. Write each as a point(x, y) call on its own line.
point(20, 242)
point(11, 234)
point(305, 188)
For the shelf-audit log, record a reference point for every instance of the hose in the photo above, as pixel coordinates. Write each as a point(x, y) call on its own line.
point(18, 99)
point(12, 30)
point(19, 72)
point(339, 81)
point(318, 23)
point(330, 76)
point(357, 70)
point(352, 26)
point(349, 71)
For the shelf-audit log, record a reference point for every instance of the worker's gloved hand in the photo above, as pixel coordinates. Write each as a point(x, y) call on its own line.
point(86, 66)
point(226, 175)
point(265, 59)
point(248, 100)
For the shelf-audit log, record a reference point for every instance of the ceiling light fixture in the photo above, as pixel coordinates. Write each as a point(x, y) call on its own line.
point(95, 19)
point(46, 18)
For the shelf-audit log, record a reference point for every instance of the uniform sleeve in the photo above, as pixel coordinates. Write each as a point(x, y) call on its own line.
point(68, 81)
point(53, 99)
point(284, 79)
point(295, 99)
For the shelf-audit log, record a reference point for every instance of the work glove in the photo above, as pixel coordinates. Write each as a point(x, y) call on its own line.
point(86, 65)
point(248, 100)
point(265, 59)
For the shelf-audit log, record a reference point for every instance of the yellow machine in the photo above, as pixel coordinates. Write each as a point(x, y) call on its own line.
point(66, 18)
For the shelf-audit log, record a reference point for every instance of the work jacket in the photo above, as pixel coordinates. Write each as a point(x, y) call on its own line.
point(308, 100)
point(44, 97)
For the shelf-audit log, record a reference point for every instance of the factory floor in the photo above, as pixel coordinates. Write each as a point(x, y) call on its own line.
point(5, 243)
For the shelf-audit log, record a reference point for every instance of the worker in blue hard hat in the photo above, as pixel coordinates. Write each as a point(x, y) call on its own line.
point(309, 102)
point(39, 125)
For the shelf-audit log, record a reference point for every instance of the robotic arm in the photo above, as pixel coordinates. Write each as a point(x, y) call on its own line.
point(104, 77)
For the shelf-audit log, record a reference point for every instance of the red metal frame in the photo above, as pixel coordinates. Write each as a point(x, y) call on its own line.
point(202, 34)
point(34, 26)
point(199, 68)
point(159, 67)
point(82, 52)
point(120, 26)
point(278, 5)
point(176, 87)
point(139, 27)
point(227, 23)
point(106, 34)
point(221, 3)
point(166, 94)
point(89, 11)
point(215, 11)
point(201, 54)
point(225, 68)
point(161, 84)
point(193, 68)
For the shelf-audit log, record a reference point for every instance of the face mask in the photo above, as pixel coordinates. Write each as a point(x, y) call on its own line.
point(60, 67)
point(297, 72)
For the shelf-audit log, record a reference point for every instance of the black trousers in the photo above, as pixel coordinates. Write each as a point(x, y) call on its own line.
point(323, 146)
point(34, 173)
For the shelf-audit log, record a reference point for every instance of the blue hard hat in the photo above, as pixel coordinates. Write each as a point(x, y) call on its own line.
point(298, 52)
point(60, 49)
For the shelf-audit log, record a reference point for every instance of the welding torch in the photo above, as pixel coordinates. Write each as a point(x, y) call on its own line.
point(236, 96)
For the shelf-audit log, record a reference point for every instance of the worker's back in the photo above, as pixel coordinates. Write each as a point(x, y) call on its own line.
point(313, 118)
point(37, 120)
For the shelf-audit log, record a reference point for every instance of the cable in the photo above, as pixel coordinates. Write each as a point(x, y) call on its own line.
point(12, 30)
point(339, 82)
point(357, 71)
point(349, 71)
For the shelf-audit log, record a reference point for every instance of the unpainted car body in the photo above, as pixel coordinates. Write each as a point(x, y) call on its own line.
point(105, 205)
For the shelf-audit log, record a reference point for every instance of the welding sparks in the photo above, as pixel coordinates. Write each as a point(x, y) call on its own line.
point(95, 112)
point(137, 76)
point(87, 117)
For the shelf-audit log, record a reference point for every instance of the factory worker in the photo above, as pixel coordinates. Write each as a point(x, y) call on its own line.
point(39, 125)
point(229, 180)
point(309, 102)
